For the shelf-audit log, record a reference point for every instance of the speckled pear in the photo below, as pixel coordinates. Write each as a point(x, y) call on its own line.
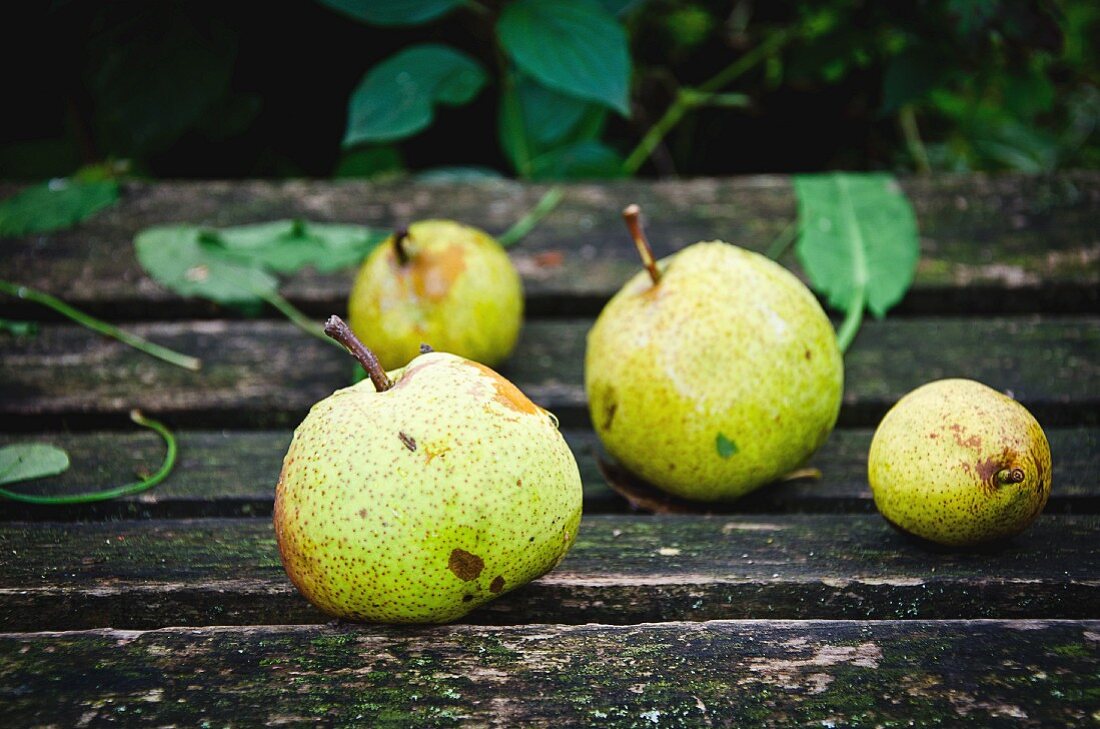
point(958, 463)
point(443, 283)
point(418, 499)
point(712, 372)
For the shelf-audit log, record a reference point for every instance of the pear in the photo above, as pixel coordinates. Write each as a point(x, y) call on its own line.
point(958, 463)
point(418, 495)
point(712, 372)
point(439, 282)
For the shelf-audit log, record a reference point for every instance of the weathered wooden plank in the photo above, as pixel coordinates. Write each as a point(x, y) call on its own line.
point(232, 473)
point(1002, 243)
point(145, 574)
point(268, 373)
point(721, 673)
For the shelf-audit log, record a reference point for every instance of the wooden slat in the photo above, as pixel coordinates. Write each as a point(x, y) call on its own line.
point(145, 574)
point(723, 673)
point(268, 373)
point(1003, 243)
point(232, 473)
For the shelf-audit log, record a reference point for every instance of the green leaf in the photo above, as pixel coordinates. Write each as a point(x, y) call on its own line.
point(470, 173)
point(589, 160)
point(370, 163)
point(24, 461)
point(858, 242)
point(185, 259)
point(725, 446)
point(396, 98)
point(18, 328)
point(53, 205)
point(573, 46)
point(540, 119)
point(393, 12)
point(286, 246)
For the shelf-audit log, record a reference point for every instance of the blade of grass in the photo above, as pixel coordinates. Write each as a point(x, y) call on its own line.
point(527, 223)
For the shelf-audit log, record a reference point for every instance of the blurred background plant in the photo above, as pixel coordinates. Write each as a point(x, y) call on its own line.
point(550, 89)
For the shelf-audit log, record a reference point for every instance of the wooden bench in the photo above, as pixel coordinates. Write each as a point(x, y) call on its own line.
point(797, 605)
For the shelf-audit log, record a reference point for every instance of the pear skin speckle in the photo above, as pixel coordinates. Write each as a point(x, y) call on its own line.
point(423, 502)
point(958, 463)
point(720, 378)
point(458, 293)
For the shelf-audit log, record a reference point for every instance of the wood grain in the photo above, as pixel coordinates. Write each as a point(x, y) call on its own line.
point(722, 673)
point(233, 472)
point(622, 569)
point(267, 373)
point(1004, 243)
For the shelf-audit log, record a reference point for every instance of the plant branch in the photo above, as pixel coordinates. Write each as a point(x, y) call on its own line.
point(296, 315)
point(631, 215)
point(907, 120)
point(134, 488)
point(783, 241)
point(532, 217)
point(336, 328)
point(132, 340)
point(691, 97)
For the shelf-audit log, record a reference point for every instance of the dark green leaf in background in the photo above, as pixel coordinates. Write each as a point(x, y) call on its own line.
point(858, 238)
point(589, 160)
point(24, 461)
point(18, 328)
point(370, 163)
point(393, 12)
point(56, 204)
point(573, 46)
point(396, 98)
point(541, 119)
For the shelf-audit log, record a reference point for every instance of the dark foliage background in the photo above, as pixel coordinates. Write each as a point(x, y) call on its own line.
point(205, 89)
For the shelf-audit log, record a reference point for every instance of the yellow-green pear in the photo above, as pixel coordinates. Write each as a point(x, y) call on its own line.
point(958, 463)
point(712, 372)
point(449, 285)
point(418, 495)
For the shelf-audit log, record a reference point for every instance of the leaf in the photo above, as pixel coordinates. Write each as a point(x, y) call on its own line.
point(573, 46)
point(286, 246)
point(909, 76)
point(584, 160)
point(18, 328)
point(393, 12)
point(24, 461)
point(540, 119)
point(184, 259)
point(725, 446)
point(470, 173)
point(396, 98)
point(621, 7)
point(53, 205)
point(370, 163)
point(858, 238)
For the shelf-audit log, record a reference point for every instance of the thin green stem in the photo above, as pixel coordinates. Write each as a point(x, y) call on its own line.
point(107, 494)
point(907, 120)
point(783, 241)
point(689, 98)
point(853, 318)
point(296, 315)
point(532, 217)
point(97, 325)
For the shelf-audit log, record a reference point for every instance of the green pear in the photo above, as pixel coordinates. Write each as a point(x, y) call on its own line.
point(419, 495)
point(712, 372)
point(439, 282)
point(958, 463)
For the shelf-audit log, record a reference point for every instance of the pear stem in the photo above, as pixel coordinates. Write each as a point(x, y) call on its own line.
point(336, 328)
point(1006, 477)
point(399, 237)
point(631, 216)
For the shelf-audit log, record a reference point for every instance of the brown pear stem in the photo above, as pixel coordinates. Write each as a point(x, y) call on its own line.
point(399, 237)
point(341, 332)
point(1006, 477)
point(631, 215)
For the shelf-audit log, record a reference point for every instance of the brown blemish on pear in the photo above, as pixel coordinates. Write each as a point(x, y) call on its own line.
point(429, 274)
point(496, 585)
point(409, 442)
point(507, 394)
point(466, 566)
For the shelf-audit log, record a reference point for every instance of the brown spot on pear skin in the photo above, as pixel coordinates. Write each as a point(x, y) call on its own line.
point(409, 442)
point(466, 566)
point(430, 273)
point(507, 394)
point(809, 355)
point(496, 585)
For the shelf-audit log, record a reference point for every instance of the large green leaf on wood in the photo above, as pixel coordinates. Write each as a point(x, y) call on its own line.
point(53, 205)
point(393, 12)
point(397, 98)
point(25, 461)
point(573, 46)
point(858, 238)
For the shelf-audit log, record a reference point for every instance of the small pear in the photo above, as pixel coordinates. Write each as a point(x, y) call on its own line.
point(712, 372)
point(418, 495)
point(958, 463)
point(439, 282)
